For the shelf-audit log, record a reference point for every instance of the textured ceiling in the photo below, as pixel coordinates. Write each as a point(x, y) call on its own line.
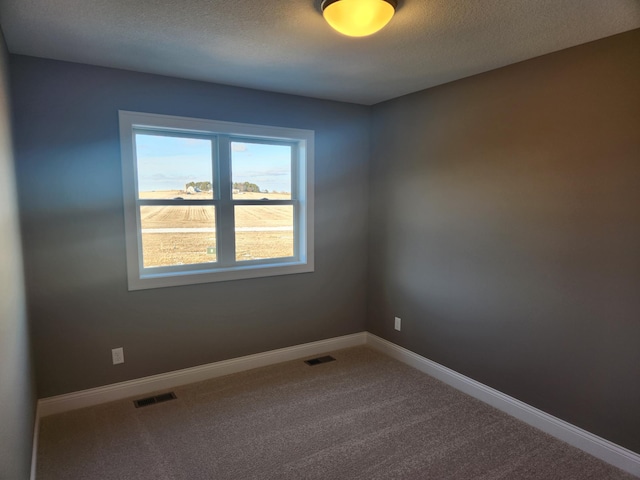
point(286, 46)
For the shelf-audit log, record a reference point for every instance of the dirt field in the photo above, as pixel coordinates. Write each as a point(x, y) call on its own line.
point(185, 234)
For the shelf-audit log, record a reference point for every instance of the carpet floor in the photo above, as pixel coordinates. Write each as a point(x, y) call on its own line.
point(363, 416)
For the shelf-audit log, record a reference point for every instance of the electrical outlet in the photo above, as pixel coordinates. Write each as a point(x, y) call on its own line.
point(117, 355)
point(398, 322)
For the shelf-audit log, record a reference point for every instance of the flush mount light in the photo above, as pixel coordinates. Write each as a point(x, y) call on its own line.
point(358, 18)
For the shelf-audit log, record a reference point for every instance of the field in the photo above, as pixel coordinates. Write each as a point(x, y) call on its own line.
point(186, 234)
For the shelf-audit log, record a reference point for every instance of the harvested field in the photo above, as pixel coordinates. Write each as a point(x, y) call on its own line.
point(178, 216)
point(164, 249)
point(170, 194)
point(186, 234)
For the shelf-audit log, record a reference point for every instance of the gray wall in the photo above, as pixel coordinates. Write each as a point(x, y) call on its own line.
point(67, 146)
point(17, 396)
point(505, 231)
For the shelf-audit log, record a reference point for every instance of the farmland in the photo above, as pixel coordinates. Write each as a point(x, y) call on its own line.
point(186, 234)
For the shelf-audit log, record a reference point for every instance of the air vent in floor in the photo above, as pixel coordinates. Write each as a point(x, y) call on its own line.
point(164, 397)
point(319, 360)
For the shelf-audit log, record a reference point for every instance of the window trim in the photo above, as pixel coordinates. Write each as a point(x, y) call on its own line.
point(302, 174)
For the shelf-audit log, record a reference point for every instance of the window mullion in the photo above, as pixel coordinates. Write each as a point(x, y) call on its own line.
point(296, 185)
point(226, 220)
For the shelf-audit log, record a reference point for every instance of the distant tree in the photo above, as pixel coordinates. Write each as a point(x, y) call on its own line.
point(246, 187)
point(202, 186)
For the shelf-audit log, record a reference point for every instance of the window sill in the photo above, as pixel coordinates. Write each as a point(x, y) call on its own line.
point(180, 278)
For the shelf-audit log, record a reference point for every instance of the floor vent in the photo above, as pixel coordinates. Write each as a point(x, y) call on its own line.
point(319, 360)
point(164, 397)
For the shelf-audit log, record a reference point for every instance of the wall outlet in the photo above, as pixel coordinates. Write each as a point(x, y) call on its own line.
point(117, 355)
point(398, 323)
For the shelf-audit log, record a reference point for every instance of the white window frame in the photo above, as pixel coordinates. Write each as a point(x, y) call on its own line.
point(226, 268)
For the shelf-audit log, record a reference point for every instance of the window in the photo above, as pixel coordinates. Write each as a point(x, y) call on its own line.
point(209, 201)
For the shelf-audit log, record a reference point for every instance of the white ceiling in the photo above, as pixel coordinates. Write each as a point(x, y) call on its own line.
point(286, 46)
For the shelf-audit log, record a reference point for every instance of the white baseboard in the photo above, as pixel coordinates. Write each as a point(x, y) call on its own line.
point(34, 445)
point(145, 385)
point(598, 447)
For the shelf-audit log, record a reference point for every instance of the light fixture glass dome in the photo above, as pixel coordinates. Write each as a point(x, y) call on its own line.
point(358, 18)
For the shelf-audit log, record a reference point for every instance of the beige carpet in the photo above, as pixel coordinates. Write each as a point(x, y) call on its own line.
point(363, 416)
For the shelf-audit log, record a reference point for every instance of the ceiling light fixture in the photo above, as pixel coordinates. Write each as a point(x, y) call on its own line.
point(358, 18)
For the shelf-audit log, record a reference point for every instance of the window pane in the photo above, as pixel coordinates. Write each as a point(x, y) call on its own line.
point(178, 235)
point(260, 171)
point(174, 167)
point(264, 232)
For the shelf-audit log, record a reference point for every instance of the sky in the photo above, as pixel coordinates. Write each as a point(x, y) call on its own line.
point(169, 163)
